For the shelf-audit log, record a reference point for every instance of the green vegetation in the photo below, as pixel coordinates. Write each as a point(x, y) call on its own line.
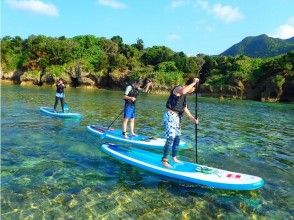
point(260, 46)
point(97, 61)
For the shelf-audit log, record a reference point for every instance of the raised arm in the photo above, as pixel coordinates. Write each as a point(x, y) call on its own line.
point(147, 86)
point(184, 90)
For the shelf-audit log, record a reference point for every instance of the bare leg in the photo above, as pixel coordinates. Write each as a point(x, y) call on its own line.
point(132, 126)
point(125, 123)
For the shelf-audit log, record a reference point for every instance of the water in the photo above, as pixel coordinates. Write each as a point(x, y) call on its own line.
point(53, 168)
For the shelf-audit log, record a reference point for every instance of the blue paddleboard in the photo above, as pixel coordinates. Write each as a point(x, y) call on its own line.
point(189, 172)
point(115, 135)
point(51, 112)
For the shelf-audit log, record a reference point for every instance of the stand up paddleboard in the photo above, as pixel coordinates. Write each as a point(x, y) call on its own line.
point(189, 172)
point(115, 135)
point(51, 112)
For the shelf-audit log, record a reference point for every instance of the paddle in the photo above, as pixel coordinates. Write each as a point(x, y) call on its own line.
point(196, 116)
point(105, 132)
point(203, 72)
point(65, 107)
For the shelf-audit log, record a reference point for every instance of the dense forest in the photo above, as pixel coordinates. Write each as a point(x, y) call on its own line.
point(109, 63)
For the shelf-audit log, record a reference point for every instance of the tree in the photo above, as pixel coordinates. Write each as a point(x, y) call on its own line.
point(139, 44)
point(180, 61)
point(168, 66)
point(156, 55)
point(117, 39)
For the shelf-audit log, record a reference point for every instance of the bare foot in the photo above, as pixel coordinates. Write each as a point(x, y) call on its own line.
point(176, 160)
point(133, 134)
point(166, 164)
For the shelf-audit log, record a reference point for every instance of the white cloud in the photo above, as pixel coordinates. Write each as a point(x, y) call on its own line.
point(225, 13)
point(112, 3)
point(173, 37)
point(284, 31)
point(178, 3)
point(35, 6)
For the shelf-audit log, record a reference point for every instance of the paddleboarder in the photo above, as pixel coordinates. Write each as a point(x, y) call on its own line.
point(130, 97)
point(176, 106)
point(59, 94)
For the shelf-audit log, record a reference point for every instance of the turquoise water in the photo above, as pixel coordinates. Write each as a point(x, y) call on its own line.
point(53, 168)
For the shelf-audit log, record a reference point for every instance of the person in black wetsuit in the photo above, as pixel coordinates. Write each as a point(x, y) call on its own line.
point(59, 94)
point(176, 105)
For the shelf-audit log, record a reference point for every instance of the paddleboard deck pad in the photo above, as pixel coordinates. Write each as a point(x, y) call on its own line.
point(186, 171)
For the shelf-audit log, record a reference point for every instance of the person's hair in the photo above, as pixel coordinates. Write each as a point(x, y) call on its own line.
point(137, 82)
point(189, 81)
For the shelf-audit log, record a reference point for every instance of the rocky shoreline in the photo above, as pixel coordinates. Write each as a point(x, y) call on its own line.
point(264, 91)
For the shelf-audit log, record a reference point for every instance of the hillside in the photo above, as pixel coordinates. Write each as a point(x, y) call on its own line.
point(260, 46)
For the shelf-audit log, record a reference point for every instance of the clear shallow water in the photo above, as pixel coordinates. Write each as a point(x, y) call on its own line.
point(53, 168)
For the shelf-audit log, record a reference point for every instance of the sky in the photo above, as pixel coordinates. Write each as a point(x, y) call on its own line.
point(192, 26)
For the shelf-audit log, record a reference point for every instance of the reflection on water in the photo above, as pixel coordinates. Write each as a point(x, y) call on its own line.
point(52, 168)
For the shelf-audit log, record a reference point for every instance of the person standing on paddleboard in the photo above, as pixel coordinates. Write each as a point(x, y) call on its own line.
point(130, 98)
point(59, 94)
point(176, 105)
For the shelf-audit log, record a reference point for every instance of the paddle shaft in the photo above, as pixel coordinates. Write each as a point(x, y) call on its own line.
point(196, 116)
point(115, 119)
point(106, 131)
point(202, 77)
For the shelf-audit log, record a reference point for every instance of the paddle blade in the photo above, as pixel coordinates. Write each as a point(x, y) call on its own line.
point(66, 108)
point(103, 136)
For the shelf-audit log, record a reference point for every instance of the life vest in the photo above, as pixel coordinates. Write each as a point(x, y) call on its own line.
point(59, 88)
point(133, 93)
point(176, 103)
